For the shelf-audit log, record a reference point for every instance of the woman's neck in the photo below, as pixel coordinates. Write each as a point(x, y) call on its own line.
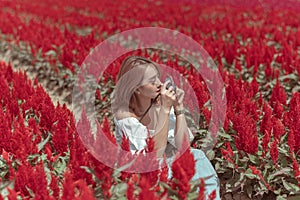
point(141, 105)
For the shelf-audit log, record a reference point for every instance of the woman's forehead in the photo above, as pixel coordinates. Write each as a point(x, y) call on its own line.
point(151, 70)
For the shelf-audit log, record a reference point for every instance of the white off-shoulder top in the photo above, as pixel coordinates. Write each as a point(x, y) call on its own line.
point(137, 133)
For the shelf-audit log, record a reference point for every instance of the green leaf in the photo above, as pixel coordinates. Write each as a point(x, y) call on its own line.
point(281, 197)
point(32, 157)
point(283, 171)
point(3, 187)
point(48, 174)
point(224, 134)
point(250, 176)
point(60, 166)
point(231, 165)
point(263, 188)
point(168, 187)
point(290, 186)
point(217, 166)
point(92, 172)
point(29, 191)
point(288, 76)
point(210, 154)
point(284, 151)
point(248, 173)
point(122, 168)
point(119, 190)
point(192, 195)
point(253, 159)
point(50, 53)
point(44, 142)
point(278, 191)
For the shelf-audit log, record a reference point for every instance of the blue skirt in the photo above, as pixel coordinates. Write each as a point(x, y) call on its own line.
point(203, 169)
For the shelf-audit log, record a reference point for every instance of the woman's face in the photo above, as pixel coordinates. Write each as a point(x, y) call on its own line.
point(151, 84)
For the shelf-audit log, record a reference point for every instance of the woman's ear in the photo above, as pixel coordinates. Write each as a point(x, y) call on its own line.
point(138, 91)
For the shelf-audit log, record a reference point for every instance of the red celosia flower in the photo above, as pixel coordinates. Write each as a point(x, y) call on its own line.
point(212, 195)
point(291, 119)
point(33, 178)
point(296, 170)
point(150, 144)
point(201, 190)
point(163, 176)
point(61, 137)
point(54, 186)
point(125, 156)
point(278, 94)
point(183, 169)
point(76, 189)
point(148, 163)
point(228, 153)
point(246, 138)
point(42, 105)
point(207, 114)
point(146, 192)
point(79, 157)
point(5, 91)
point(106, 185)
point(98, 95)
point(278, 110)
point(106, 130)
point(258, 173)
point(130, 191)
point(13, 195)
point(274, 152)
point(291, 141)
point(278, 128)
point(22, 143)
point(151, 177)
point(5, 130)
point(266, 126)
point(125, 142)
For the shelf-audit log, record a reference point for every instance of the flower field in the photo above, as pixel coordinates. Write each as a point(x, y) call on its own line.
point(256, 47)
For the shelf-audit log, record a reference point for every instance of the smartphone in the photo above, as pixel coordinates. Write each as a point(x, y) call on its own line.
point(171, 83)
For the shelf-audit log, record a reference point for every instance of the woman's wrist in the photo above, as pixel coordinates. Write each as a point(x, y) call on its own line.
point(179, 110)
point(178, 107)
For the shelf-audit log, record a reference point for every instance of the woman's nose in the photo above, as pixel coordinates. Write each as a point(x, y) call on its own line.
point(159, 84)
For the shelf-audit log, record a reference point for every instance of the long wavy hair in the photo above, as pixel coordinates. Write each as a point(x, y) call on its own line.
point(130, 78)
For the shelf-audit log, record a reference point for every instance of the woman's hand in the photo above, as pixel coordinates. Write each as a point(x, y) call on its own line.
point(168, 96)
point(178, 103)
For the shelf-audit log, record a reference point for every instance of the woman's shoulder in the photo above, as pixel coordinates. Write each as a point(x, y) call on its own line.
point(127, 121)
point(122, 114)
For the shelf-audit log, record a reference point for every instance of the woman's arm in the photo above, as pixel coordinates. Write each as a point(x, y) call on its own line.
point(181, 129)
point(161, 131)
point(162, 127)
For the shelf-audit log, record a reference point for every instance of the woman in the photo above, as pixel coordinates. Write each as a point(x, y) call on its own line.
point(142, 103)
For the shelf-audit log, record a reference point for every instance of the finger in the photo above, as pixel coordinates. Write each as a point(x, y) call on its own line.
point(173, 97)
point(170, 89)
point(166, 83)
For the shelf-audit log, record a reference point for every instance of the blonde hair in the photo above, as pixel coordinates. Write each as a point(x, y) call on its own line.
point(130, 78)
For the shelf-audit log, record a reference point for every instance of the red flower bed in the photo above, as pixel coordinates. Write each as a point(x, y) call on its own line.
point(44, 158)
point(255, 46)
